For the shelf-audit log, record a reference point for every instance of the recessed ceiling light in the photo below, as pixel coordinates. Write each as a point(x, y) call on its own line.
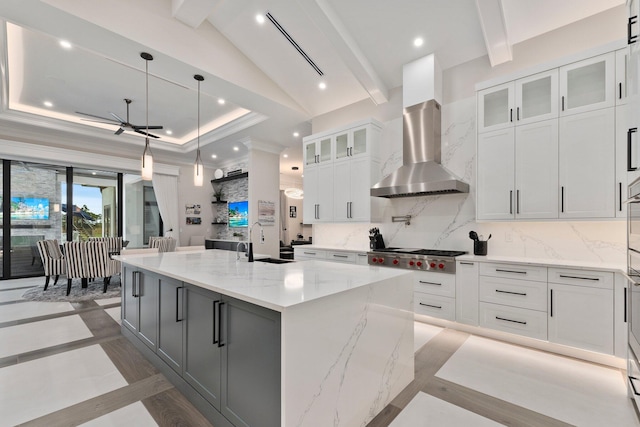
point(213, 156)
point(296, 134)
point(48, 104)
point(285, 156)
point(94, 173)
point(235, 149)
point(418, 41)
point(322, 85)
point(260, 19)
point(221, 101)
point(65, 44)
point(169, 132)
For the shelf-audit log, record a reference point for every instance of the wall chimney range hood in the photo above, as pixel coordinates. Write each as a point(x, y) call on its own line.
point(421, 173)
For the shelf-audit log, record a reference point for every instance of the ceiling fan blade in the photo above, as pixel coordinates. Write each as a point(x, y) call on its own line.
point(100, 121)
point(119, 131)
point(146, 127)
point(118, 118)
point(145, 133)
point(93, 115)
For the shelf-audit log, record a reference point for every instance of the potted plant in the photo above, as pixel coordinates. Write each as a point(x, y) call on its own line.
point(238, 234)
point(218, 194)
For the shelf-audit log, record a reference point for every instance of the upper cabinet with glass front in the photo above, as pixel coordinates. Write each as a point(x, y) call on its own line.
point(351, 143)
point(527, 100)
point(588, 85)
point(317, 151)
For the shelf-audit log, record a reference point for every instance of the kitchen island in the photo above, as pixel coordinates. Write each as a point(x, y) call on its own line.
point(300, 344)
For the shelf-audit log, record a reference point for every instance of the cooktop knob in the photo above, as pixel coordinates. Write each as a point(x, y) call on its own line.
point(381, 260)
point(395, 262)
point(419, 263)
point(440, 266)
point(432, 265)
point(374, 259)
point(411, 263)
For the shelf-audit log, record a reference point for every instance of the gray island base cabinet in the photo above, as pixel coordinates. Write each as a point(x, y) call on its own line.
point(257, 344)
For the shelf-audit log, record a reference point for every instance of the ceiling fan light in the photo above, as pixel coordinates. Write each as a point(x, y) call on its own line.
point(147, 162)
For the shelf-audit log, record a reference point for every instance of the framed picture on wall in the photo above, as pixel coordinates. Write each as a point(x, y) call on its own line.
point(266, 212)
point(292, 212)
point(194, 220)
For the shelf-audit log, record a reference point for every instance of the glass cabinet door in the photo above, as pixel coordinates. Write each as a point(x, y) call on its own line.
point(310, 153)
point(342, 145)
point(359, 141)
point(325, 149)
point(495, 107)
point(587, 85)
point(537, 98)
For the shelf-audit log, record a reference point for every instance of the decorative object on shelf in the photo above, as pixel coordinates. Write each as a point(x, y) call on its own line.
point(218, 174)
point(194, 220)
point(218, 194)
point(266, 212)
point(234, 172)
point(198, 167)
point(294, 193)
point(147, 156)
point(238, 234)
point(292, 212)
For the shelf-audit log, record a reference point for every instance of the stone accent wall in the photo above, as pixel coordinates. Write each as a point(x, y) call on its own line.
point(234, 191)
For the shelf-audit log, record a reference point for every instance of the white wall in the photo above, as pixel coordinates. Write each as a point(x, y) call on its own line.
point(264, 184)
point(189, 194)
point(444, 221)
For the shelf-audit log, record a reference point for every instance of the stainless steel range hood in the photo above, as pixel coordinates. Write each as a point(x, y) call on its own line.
point(421, 173)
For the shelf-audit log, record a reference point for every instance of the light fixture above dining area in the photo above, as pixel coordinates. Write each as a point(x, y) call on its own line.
point(147, 156)
point(198, 167)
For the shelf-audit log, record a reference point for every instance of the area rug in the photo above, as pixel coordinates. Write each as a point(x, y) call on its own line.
point(59, 292)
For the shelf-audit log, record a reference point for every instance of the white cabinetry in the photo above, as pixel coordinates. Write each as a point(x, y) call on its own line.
point(339, 191)
point(518, 172)
point(434, 294)
point(302, 253)
point(467, 292)
point(581, 309)
point(587, 175)
point(627, 157)
point(622, 71)
point(587, 85)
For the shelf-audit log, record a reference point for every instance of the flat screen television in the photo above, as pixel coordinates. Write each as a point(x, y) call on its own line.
point(29, 208)
point(239, 214)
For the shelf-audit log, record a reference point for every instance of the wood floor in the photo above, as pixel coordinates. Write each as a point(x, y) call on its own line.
point(141, 386)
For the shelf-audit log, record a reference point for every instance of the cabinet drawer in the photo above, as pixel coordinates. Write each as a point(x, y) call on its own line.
point(590, 278)
point(515, 320)
point(348, 257)
point(309, 254)
point(434, 305)
point(435, 283)
point(514, 271)
point(515, 293)
point(362, 259)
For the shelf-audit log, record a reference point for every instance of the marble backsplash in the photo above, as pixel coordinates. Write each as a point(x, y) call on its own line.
point(444, 221)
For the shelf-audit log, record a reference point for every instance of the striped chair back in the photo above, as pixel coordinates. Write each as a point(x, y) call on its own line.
point(114, 244)
point(164, 244)
point(76, 257)
point(52, 259)
point(99, 263)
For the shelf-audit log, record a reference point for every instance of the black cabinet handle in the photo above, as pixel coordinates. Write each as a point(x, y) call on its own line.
point(619, 90)
point(620, 196)
point(562, 199)
point(517, 201)
point(220, 343)
point(340, 256)
point(509, 320)
point(625, 304)
point(632, 20)
point(511, 293)
point(562, 102)
point(511, 114)
point(135, 288)
point(510, 271)
point(178, 305)
point(595, 279)
point(518, 113)
point(430, 283)
point(633, 386)
point(216, 302)
point(551, 303)
point(439, 307)
point(630, 167)
point(466, 263)
point(511, 201)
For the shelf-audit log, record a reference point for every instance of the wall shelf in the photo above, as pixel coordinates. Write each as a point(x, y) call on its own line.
point(219, 202)
point(219, 223)
point(229, 178)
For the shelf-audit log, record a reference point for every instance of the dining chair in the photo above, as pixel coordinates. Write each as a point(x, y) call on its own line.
point(53, 262)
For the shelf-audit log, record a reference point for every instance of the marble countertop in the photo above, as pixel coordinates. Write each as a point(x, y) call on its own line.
point(274, 286)
point(549, 262)
point(329, 248)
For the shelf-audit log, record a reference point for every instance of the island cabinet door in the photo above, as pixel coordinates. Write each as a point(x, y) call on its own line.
point(250, 364)
point(147, 291)
point(130, 298)
point(202, 343)
point(171, 316)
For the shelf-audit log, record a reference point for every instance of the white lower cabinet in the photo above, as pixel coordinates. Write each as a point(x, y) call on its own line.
point(302, 253)
point(434, 294)
point(467, 292)
point(581, 309)
point(521, 321)
point(434, 306)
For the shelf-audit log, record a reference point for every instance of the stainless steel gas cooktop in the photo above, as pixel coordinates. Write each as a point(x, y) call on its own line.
point(415, 259)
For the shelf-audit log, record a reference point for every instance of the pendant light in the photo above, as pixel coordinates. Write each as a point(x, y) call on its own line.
point(198, 167)
point(147, 156)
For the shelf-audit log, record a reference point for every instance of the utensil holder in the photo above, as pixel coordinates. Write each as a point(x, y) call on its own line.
point(480, 247)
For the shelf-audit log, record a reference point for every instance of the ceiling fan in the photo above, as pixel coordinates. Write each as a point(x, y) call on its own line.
point(124, 124)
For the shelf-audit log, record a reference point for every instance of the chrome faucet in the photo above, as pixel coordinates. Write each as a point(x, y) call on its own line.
point(251, 243)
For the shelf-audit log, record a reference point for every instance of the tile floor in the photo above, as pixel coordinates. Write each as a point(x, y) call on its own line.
point(64, 364)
